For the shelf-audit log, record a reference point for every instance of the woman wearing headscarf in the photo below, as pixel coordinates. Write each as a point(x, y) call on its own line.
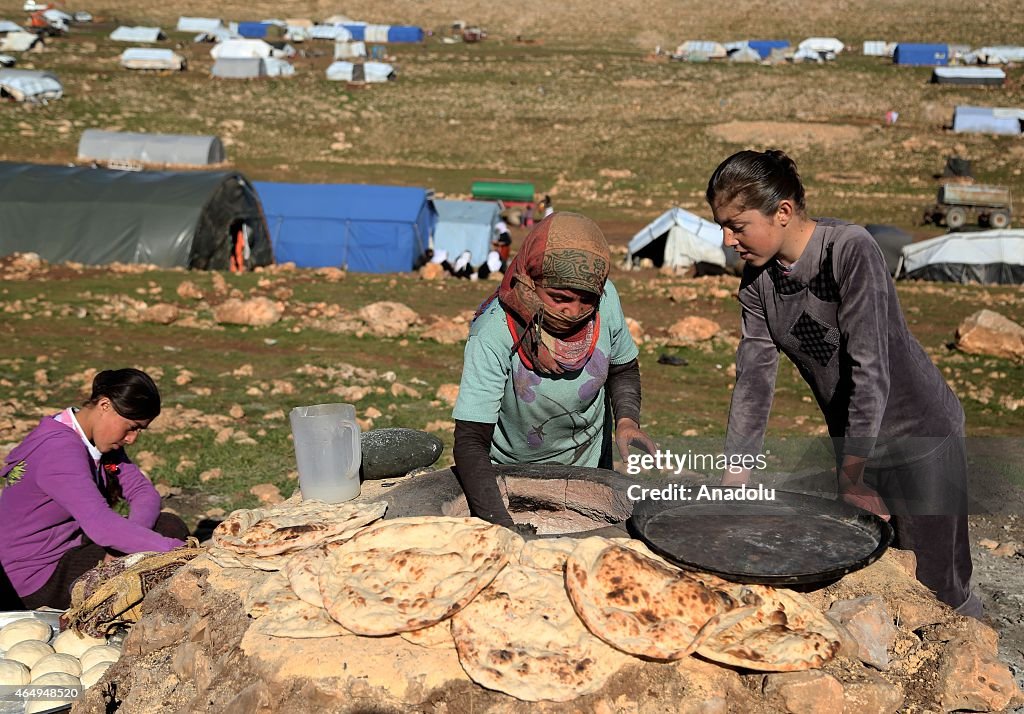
point(543, 353)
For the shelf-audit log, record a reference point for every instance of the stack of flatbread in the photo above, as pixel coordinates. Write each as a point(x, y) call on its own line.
point(265, 538)
point(640, 604)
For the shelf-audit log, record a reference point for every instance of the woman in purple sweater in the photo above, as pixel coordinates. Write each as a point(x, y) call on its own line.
point(61, 484)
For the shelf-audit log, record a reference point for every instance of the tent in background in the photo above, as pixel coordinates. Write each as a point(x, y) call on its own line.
point(987, 257)
point(239, 68)
point(983, 76)
point(185, 149)
point(137, 34)
point(30, 85)
point(342, 71)
point(98, 216)
point(199, 24)
point(910, 53)
point(465, 225)
point(891, 240)
point(764, 47)
point(148, 58)
point(365, 229)
point(987, 120)
point(678, 239)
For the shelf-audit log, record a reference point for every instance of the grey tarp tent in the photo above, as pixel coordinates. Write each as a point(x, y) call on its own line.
point(182, 149)
point(465, 225)
point(97, 216)
point(678, 239)
point(987, 257)
point(891, 240)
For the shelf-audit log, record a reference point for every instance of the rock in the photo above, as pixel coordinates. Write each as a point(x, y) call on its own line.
point(989, 333)
point(220, 285)
point(681, 293)
point(147, 460)
point(388, 319)
point(691, 330)
point(373, 412)
point(396, 452)
point(432, 271)
point(871, 693)
point(440, 425)
point(446, 332)
point(809, 692)
point(400, 390)
point(331, 274)
point(988, 543)
point(868, 620)
point(258, 312)
point(166, 489)
point(236, 411)
point(161, 313)
point(352, 394)
point(189, 290)
point(967, 629)
point(971, 679)
point(210, 474)
point(448, 393)
point(636, 331)
point(40, 377)
point(1006, 550)
point(267, 493)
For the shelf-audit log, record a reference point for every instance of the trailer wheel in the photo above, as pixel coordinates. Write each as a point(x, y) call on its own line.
point(999, 219)
point(956, 217)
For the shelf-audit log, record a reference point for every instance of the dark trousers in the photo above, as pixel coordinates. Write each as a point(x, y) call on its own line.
point(928, 503)
point(83, 558)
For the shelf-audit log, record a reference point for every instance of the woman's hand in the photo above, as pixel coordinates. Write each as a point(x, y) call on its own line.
point(854, 491)
point(628, 433)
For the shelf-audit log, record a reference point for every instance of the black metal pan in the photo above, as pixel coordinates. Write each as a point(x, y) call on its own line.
point(794, 539)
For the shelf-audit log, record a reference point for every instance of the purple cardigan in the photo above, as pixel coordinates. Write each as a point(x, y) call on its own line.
point(45, 513)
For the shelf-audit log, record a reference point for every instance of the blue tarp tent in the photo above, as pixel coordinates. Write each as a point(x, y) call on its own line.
point(911, 53)
point(764, 47)
point(364, 32)
point(365, 229)
point(405, 33)
point(253, 30)
point(465, 225)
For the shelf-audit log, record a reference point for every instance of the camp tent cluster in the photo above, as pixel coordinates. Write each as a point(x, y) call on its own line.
point(816, 49)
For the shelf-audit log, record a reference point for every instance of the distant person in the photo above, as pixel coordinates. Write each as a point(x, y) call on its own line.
point(62, 483)
point(818, 290)
point(546, 206)
point(463, 267)
point(527, 219)
point(493, 264)
point(440, 257)
point(502, 240)
point(425, 257)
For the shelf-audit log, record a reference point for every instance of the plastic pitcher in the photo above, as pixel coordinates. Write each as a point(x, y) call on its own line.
point(327, 451)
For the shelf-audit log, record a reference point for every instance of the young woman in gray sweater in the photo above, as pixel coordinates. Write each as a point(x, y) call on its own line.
point(819, 291)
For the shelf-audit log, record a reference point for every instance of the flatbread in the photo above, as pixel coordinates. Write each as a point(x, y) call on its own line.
point(784, 634)
point(230, 559)
point(547, 553)
point(635, 603)
point(411, 573)
point(284, 529)
point(303, 573)
point(437, 636)
point(285, 615)
point(521, 636)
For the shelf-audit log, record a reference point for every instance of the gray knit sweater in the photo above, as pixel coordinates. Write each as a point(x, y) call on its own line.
point(837, 317)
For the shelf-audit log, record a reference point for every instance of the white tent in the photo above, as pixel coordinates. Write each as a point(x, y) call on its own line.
point(26, 85)
point(239, 68)
point(199, 24)
point(18, 41)
point(181, 149)
point(137, 34)
point(347, 50)
point(360, 72)
point(8, 26)
point(988, 257)
point(701, 48)
point(241, 49)
point(822, 44)
point(999, 55)
point(148, 58)
point(678, 239)
point(329, 32)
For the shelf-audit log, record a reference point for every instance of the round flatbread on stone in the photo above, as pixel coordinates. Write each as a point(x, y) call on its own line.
point(784, 634)
point(286, 529)
point(262, 598)
point(639, 605)
point(521, 636)
point(411, 573)
point(547, 553)
point(25, 629)
point(280, 613)
point(437, 636)
point(303, 572)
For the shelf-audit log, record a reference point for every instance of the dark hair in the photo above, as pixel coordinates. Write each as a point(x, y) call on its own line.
point(757, 179)
point(132, 392)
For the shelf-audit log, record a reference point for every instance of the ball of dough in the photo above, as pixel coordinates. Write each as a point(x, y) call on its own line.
point(56, 679)
point(13, 673)
point(60, 663)
point(24, 629)
point(29, 652)
point(94, 674)
point(94, 655)
point(71, 643)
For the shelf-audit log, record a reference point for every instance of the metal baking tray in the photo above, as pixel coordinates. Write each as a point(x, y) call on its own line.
point(50, 617)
